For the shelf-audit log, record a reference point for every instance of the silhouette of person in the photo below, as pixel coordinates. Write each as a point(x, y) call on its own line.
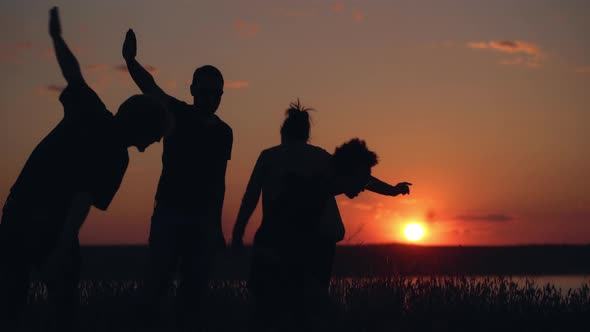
point(315, 222)
point(79, 164)
point(186, 223)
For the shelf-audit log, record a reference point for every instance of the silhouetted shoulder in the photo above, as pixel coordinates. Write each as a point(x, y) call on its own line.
point(320, 151)
point(271, 150)
point(176, 106)
point(223, 124)
point(225, 128)
point(80, 102)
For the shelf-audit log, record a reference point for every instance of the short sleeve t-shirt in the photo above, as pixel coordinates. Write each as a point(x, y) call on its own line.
point(81, 154)
point(194, 161)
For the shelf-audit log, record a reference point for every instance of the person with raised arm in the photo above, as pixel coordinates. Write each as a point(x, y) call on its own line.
point(186, 222)
point(79, 164)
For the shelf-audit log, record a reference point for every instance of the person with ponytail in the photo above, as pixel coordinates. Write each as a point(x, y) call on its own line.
point(295, 243)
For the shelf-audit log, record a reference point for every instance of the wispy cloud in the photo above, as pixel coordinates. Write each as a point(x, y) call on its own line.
point(13, 52)
point(171, 85)
point(123, 68)
point(358, 16)
point(97, 68)
point(246, 29)
point(50, 89)
point(507, 46)
point(583, 70)
point(530, 53)
point(49, 53)
point(337, 7)
point(236, 84)
point(484, 217)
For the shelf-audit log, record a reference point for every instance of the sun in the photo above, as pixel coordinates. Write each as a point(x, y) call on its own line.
point(414, 232)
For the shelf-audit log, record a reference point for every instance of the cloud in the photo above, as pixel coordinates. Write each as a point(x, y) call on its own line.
point(49, 53)
point(507, 46)
point(50, 89)
point(583, 70)
point(340, 8)
point(358, 16)
point(171, 85)
point(123, 68)
point(13, 52)
point(530, 53)
point(337, 7)
point(236, 84)
point(246, 29)
point(532, 63)
point(97, 68)
point(484, 218)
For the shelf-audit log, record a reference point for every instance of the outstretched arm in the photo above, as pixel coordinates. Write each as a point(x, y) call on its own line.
point(377, 186)
point(144, 80)
point(66, 59)
point(248, 206)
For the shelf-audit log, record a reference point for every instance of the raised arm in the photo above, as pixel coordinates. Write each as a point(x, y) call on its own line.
point(144, 80)
point(248, 206)
point(377, 186)
point(66, 59)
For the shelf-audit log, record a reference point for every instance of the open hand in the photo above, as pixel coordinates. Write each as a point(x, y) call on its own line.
point(130, 46)
point(54, 25)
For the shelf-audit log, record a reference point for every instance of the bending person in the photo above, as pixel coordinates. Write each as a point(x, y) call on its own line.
point(79, 164)
point(294, 157)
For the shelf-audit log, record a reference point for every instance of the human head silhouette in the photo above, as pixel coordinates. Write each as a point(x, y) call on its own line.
point(352, 163)
point(207, 89)
point(296, 126)
point(142, 121)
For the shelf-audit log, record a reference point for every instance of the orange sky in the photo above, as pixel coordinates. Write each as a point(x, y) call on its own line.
point(482, 105)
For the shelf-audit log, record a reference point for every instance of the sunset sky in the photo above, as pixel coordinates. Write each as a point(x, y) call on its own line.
point(482, 105)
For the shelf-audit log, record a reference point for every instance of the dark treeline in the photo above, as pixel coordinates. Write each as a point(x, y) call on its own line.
point(127, 262)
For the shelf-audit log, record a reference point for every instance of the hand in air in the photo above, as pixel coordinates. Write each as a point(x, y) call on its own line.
point(54, 25)
point(130, 46)
point(403, 188)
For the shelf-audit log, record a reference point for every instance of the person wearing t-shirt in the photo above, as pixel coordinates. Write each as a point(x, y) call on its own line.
point(79, 164)
point(186, 223)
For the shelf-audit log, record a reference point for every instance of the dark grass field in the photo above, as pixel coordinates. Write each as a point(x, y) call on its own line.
point(376, 304)
point(372, 291)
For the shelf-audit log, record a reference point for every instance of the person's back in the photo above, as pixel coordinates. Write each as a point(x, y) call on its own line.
point(53, 172)
point(297, 159)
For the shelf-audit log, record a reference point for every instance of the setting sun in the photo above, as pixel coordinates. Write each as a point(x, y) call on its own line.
point(414, 232)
